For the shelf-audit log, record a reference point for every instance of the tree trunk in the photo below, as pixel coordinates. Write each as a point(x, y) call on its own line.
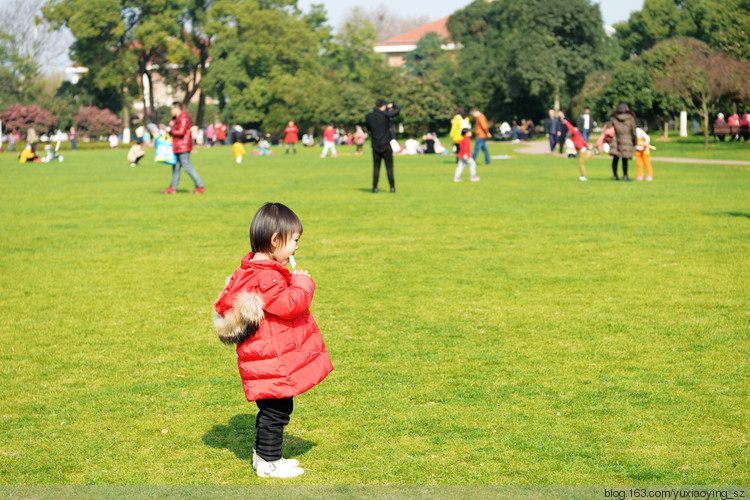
point(705, 125)
point(125, 118)
point(201, 109)
point(556, 107)
point(666, 128)
point(150, 109)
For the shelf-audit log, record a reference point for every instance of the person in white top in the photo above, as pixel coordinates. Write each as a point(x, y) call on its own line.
point(412, 146)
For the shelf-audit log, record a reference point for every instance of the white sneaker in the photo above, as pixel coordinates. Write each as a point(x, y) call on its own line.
point(279, 468)
point(582, 178)
point(291, 462)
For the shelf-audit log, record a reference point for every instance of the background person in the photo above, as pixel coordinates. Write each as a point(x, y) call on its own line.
point(459, 122)
point(329, 141)
point(586, 123)
point(182, 145)
point(291, 137)
point(481, 134)
point(378, 122)
point(624, 139)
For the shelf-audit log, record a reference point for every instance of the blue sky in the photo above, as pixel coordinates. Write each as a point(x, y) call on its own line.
point(612, 10)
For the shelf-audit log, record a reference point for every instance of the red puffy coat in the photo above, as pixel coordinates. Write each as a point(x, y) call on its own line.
point(291, 132)
point(286, 356)
point(182, 139)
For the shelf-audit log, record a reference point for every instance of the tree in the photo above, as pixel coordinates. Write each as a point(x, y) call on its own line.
point(429, 58)
point(256, 52)
point(506, 69)
point(658, 20)
point(103, 42)
point(26, 46)
point(699, 76)
point(384, 22)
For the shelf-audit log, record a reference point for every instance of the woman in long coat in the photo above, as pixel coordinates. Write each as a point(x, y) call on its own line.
point(624, 139)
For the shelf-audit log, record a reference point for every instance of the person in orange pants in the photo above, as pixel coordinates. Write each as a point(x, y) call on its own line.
point(643, 154)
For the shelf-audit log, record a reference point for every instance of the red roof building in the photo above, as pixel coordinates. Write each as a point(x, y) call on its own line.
point(397, 47)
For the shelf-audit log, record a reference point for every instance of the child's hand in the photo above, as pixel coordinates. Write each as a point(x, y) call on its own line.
point(303, 273)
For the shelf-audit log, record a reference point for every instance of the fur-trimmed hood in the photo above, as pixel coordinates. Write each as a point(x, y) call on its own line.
point(241, 321)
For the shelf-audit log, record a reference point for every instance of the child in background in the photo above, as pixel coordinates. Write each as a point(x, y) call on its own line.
point(265, 311)
point(329, 141)
point(581, 146)
point(465, 158)
point(359, 139)
point(239, 151)
point(135, 154)
point(290, 136)
point(643, 155)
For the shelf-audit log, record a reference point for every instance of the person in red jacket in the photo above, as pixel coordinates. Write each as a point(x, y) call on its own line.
point(182, 145)
point(290, 137)
point(582, 148)
point(465, 158)
point(265, 311)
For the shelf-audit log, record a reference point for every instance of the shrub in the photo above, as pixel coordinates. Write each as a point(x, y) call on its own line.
point(17, 116)
point(95, 122)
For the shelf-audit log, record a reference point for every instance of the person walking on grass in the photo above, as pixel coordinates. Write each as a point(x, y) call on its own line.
point(465, 158)
point(378, 122)
point(329, 141)
point(182, 145)
point(265, 311)
point(481, 134)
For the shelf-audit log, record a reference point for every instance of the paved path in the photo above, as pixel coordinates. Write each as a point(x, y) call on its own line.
point(542, 148)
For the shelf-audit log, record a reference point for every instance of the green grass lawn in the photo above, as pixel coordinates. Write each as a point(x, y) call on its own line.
point(525, 329)
point(693, 147)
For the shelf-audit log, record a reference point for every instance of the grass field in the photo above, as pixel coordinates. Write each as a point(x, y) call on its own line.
point(525, 329)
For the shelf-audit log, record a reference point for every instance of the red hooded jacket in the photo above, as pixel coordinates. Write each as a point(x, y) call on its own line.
point(182, 139)
point(286, 356)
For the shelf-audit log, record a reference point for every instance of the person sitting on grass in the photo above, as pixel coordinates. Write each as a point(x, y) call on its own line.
point(136, 153)
point(28, 154)
point(265, 311)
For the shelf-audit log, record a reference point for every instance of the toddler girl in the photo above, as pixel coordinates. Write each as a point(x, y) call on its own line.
point(264, 310)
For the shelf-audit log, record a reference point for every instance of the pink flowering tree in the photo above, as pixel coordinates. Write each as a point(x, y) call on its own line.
point(19, 117)
point(97, 122)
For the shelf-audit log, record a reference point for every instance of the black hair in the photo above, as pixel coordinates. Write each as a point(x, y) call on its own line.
point(464, 131)
point(270, 219)
point(380, 103)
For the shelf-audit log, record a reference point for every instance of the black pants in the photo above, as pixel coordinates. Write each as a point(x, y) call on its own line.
point(273, 416)
point(386, 155)
point(624, 166)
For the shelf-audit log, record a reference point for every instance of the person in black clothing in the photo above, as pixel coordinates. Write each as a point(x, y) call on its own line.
point(378, 122)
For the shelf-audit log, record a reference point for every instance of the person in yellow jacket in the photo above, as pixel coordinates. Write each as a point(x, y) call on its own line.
point(458, 123)
point(28, 154)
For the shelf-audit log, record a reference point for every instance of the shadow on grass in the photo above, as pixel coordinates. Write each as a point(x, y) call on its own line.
point(736, 214)
point(239, 433)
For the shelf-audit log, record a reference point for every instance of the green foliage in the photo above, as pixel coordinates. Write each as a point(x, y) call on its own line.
point(518, 56)
point(254, 52)
point(657, 20)
point(631, 81)
point(722, 24)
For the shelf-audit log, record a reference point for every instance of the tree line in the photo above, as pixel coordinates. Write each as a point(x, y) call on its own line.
point(267, 61)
